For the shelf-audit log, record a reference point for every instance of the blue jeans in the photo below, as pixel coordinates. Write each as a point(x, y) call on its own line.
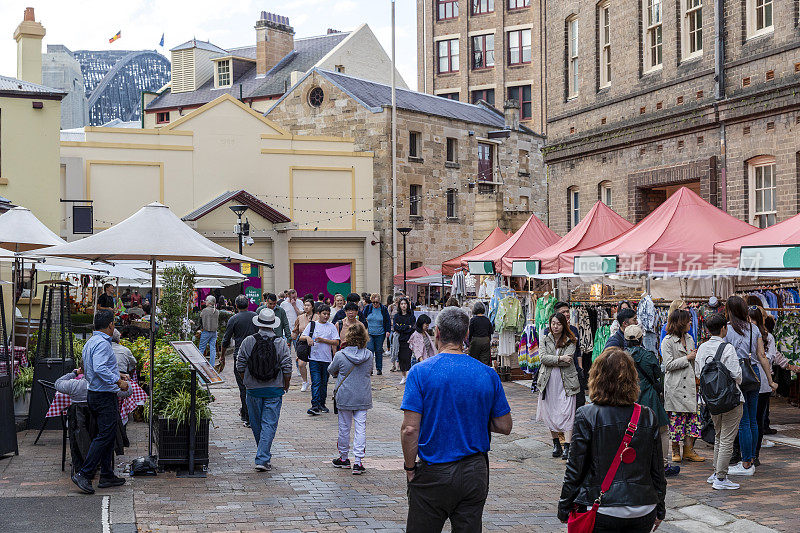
point(264, 413)
point(748, 425)
point(319, 382)
point(103, 406)
point(209, 338)
point(375, 345)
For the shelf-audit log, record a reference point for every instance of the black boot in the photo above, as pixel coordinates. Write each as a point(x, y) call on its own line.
point(565, 456)
point(557, 451)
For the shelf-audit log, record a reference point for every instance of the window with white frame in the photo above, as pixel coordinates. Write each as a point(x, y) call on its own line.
point(572, 56)
point(692, 28)
point(574, 207)
point(604, 190)
point(451, 203)
point(447, 9)
point(605, 43)
point(479, 7)
point(448, 56)
point(224, 73)
point(518, 4)
point(652, 38)
point(519, 47)
point(763, 192)
point(759, 17)
point(483, 51)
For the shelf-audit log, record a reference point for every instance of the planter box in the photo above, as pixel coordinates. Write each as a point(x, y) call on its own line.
point(22, 404)
point(172, 440)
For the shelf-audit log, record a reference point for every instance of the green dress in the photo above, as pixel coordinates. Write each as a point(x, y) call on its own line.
point(651, 382)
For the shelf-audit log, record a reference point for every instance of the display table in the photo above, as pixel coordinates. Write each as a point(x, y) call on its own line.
point(61, 403)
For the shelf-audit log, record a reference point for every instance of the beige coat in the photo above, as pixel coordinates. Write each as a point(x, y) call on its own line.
point(680, 390)
point(548, 355)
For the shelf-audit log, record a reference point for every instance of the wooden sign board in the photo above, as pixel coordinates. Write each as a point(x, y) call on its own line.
point(189, 353)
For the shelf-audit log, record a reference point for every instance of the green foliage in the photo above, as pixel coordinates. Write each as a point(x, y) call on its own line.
point(23, 382)
point(172, 376)
point(179, 407)
point(81, 319)
point(175, 300)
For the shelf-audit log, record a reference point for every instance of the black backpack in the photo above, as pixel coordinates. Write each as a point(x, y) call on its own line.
point(263, 361)
point(717, 387)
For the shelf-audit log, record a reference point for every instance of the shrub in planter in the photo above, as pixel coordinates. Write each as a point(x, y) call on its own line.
point(23, 384)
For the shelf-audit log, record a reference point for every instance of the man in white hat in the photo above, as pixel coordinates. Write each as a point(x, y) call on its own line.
point(266, 367)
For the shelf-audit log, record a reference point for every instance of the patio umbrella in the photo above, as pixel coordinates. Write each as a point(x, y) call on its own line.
point(154, 233)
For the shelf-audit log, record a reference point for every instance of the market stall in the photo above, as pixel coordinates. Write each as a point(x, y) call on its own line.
point(493, 240)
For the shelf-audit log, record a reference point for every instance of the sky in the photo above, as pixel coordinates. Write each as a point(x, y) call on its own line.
point(87, 25)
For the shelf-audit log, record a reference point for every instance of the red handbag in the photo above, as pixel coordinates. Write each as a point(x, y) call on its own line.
point(584, 522)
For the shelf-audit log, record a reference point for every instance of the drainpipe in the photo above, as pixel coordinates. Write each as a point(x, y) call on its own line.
point(719, 95)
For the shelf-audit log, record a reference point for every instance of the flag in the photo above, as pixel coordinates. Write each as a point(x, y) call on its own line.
point(115, 37)
point(162, 40)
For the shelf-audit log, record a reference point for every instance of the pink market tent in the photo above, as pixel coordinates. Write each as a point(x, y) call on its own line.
point(532, 237)
point(600, 224)
point(417, 273)
point(787, 233)
point(679, 236)
point(495, 238)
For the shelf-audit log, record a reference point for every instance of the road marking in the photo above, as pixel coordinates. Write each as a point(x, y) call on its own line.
point(105, 514)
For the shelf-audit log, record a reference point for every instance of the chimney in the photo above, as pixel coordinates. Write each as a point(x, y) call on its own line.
point(29, 36)
point(274, 39)
point(511, 108)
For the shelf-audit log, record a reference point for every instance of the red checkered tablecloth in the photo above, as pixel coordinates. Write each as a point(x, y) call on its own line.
point(126, 405)
point(20, 359)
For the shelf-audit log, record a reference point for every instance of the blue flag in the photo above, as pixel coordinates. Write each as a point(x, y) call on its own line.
point(162, 40)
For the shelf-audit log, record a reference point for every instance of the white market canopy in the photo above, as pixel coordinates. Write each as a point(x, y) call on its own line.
point(20, 231)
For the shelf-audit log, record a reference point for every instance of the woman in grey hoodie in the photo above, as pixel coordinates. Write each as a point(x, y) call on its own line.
point(352, 367)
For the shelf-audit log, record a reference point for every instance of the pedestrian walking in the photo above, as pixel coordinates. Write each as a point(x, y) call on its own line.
point(292, 307)
point(449, 402)
point(300, 324)
point(352, 395)
point(323, 338)
point(420, 341)
point(266, 367)
point(764, 391)
point(404, 323)
point(379, 326)
point(340, 314)
point(350, 319)
point(726, 424)
point(558, 383)
point(239, 327)
point(100, 367)
point(626, 317)
point(284, 329)
point(680, 390)
point(630, 498)
point(614, 328)
point(338, 303)
point(209, 323)
point(480, 335)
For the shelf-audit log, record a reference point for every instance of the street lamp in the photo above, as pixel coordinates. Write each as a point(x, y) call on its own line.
point(404, 232)
point(240, 230)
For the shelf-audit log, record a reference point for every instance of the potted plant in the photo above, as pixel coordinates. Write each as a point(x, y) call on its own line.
point(23, 384)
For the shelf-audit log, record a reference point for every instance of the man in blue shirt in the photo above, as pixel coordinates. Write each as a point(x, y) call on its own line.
point(451, 403)
point(100, 368)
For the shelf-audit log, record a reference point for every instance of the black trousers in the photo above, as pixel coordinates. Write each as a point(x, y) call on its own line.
point(612, 524)
point(103, 407)
point(455, 491)
point(242, 394)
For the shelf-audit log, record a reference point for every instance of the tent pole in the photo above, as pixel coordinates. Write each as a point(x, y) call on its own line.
point(152, 352)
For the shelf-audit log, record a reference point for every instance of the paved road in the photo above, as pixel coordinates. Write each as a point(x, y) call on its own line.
point(304, 493)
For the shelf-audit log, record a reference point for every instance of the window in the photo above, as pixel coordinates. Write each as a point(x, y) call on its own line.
point(479, 7)
point(605, 44)
point(414, 264)
point(487, 95)
point(572, 56)
point(224, 73)
point(413, 144)
point(449, 96)
point(485, 162)
point(524, 203)
point(522, 94)
point(340, 68)
point(652, 38)
point(518, 4)
point(692, 28)
point(763, 192)
point(415, 197)
point(162, 117)
point(448, 56)
point(316, 96)
point(519, 47)
point(451, 203)
point(447, 9)
point(574, 207)
point(452, 150)
point(524, 162)
point(604, 190)
point(759, 17)
point(483, 51)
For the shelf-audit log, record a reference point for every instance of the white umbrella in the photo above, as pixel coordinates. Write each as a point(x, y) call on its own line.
point(154, 233)
point(202, 269)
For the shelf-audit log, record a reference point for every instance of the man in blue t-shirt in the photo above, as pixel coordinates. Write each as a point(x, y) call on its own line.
point(451, 403)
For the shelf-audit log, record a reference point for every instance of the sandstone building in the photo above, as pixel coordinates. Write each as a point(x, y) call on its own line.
point(462, 169)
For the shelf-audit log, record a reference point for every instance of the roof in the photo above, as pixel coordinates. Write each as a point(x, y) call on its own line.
point(307, 53)
point(202, 45)
point(15, 87)
point(419, 272)
point(495, 238)
point(244, 197)
point(786, 233)
point(375, 96)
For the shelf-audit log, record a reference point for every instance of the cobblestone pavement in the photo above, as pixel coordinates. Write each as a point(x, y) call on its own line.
point(304, 493)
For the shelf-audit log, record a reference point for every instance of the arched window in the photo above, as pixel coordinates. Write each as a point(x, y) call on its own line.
point(763, 193)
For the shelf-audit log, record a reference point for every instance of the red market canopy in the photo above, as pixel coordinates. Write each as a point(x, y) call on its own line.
point(787, 233)
point(411, 275)
point(495, 238)
point(600, 224)
point(679, 236)
point(532, 237)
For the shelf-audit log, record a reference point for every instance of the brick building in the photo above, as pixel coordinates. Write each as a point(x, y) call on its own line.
point(640, 103)
point(490, 50)
point(462, 169)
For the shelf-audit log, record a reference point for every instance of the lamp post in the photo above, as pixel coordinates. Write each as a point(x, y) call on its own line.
point(240, 231)
point(404, 232)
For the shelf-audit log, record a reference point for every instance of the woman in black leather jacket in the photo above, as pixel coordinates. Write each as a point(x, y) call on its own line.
point(635, 501)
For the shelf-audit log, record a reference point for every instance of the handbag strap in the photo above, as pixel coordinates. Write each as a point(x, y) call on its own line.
point(344, 378)
point(626, 439)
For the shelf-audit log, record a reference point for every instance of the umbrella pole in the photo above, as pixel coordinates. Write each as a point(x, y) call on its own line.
point(152, 352)
point(30, 304)
point(10, 348)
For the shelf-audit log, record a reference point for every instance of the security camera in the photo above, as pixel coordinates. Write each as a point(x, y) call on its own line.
point(249, 241)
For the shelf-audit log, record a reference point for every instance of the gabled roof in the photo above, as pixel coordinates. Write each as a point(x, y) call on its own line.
point(15, 87)
point(245, 198)
point(307, 52)
point(495, 238)
point(202, 45)
point(531, 238)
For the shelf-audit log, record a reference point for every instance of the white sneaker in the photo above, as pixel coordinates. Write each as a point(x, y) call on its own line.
point(725, 484)
point(767, 444)
point(304, 386)
point(711, 479)
point(402, 381)
point(739, 470)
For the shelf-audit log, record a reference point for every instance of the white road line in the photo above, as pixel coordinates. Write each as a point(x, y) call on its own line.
point(105, 514)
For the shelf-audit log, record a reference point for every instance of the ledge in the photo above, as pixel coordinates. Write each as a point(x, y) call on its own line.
point(451, 164)
point(415, 159)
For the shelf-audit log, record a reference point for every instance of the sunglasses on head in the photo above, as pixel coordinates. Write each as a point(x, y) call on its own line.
point(753, 307)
